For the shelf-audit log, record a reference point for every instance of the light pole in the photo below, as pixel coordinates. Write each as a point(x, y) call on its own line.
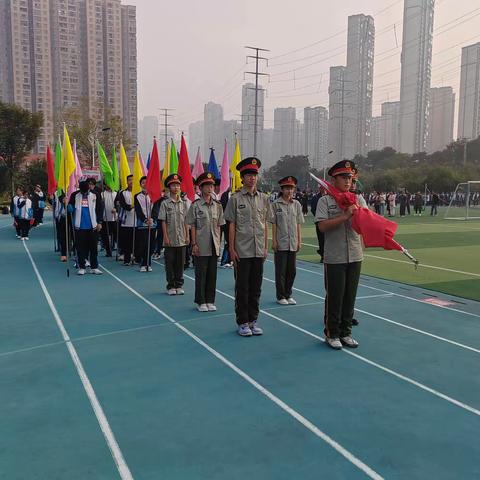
point(324, 158)
point(93, 139)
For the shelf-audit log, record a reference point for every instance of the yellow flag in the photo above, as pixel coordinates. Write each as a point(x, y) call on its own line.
point(67, 164)
point(137, 173)
point(166, 165)
point(124, 168)
point(236, 179)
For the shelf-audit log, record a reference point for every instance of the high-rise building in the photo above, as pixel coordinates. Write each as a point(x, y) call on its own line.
point(336, 107)
point(469, 108)
point(55, 53)
point(230, 128)
point(195, 139)
point(267, 157)
point(377, 133)
point(316, 134)
point(416, 62)
point(284, 131)
point(440, 118)
point(248, 119)
point(391, 125)
point(213, 129)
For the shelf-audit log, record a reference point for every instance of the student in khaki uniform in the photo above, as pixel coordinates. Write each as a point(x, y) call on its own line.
point(287, 218)
point(173, 211)
point(205, 217)
point(342, 262)
point(248, 212)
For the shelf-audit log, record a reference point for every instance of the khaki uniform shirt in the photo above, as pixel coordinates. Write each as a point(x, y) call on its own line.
point(173, 213)
point(286, 216)
point(342, 244)
point(250, 213)
point(207, 218)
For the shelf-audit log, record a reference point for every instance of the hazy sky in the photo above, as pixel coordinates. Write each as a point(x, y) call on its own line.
point(193, 51)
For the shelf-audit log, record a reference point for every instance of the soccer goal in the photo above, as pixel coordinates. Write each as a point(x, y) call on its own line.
point(465, 202)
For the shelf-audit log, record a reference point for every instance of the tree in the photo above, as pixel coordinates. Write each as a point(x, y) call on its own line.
point(33, 174)
point(19, 131)
point(298, 166)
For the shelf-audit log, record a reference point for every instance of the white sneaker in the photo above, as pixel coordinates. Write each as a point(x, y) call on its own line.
point(96, 271)
point(282, 301)
point(334, 343)
point(211, 307)
point(171, 291)
point(244, 330)
point(120, 258)
point(291, 301)
point(22, 239)
point(87, 263)
point(81, 271)
point(18, 236)
point(256, 330)
point(149, 269)
point(349, 342)
point(202, 308)
point(180, 291)
point(26, 238)
point(143, 269)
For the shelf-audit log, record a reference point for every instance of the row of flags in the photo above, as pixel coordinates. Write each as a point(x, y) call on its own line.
point(64, 170)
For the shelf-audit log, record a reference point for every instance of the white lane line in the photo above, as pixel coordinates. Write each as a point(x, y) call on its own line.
point(408, 327)
point(280, 403)
point(30, 349)
point(381, 295)
point(364, 359)
point(413, 299)
point(421, 265)
point(117, 455)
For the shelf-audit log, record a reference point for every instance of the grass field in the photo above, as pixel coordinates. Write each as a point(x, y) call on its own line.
point(448, 251)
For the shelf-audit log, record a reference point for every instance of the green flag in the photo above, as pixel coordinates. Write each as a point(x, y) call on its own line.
point(58, 161)
point(173, 159)
point(105, 168)
point(115, 176)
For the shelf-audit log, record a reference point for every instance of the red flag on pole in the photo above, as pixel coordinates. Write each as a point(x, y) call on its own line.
point(153, 185)
point(52, 183)
point(185, 172)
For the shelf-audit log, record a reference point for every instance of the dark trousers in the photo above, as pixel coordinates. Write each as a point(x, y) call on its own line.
point(248, 286)
point(321, 242)
point(16, 221)
point(159, 240)
point(109, 235)
point(225, 254)
point(24, 226)
point(144, 249)
point(61, 236)
point(285, 272)
point(434, 210)
point(418, 209)
point(126, 242)
point(38, 215)
point(87, 247)
point(174, 263)
point(205, 279)
point(341, 283)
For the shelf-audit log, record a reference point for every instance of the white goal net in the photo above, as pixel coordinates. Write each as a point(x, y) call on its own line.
point(465, 202)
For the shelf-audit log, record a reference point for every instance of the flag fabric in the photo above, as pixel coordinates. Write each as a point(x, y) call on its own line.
point(212, 164)
point(225, 173)
point(67, 164)
point(142, 164)
point(105, 167)
point(137, 173)
point(198, 166)
point(154, 188)
point(236, 179)
point(58, 158)
point(185, 172)
point(52, 182)
point(148, 160)
point(115, 175)
point(173, 164)
point(76, 175)
point(166, 165)
point(124, 168)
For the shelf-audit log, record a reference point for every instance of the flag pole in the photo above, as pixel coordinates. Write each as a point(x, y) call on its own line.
point(65, 202)
point(148, 239)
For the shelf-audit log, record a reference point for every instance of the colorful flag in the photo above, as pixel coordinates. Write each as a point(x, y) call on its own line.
point(148, 161)
point(105, 167)
point(166, 166)
point(173, 164)
point(115, 175)
point(212, 164)
point(142, 164)
point(52, 182)
point(58, 158)
point(236, 179)
point(154, 188)
point(225, 175)
point(198, 167)
point(124, 168)
point(185, 172)
point(76, 175)
point(67, 165)
point(137, 173)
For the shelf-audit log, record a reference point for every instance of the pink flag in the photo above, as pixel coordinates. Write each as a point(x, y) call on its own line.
point(198, 167)
point(142, 164)
point(225, 172)
point(76, 174)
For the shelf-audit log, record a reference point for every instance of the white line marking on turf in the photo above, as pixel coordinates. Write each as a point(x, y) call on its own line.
point(381, 295)
point(366, 360)
point(413, 299)
point(280, 403)
point(117, 455)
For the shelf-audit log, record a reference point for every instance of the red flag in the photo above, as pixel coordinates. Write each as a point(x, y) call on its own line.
point(185, 172)
point(154, 189)
point(52, 183)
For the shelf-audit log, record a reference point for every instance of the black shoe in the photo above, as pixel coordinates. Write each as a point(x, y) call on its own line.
point(108, 255)
point(355, 322)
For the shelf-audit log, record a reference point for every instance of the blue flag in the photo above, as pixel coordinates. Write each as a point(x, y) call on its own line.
point(212, 164)
point(148, 161)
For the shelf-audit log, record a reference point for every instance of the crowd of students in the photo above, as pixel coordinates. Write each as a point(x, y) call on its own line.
point(27, 210)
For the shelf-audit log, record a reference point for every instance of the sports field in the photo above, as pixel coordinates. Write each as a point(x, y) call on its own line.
point(448, 251)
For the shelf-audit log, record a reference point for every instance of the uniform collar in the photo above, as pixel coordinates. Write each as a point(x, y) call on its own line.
point(244, 191)
point(282, 200)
